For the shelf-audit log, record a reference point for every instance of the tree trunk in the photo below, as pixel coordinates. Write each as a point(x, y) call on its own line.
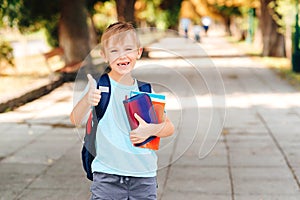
point(273, 41)
point(227, 21)
point(73, 31)
point(125, 10)
point(92, 32)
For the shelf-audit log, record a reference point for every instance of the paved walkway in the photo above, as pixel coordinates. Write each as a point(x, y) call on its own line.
point(257, 151)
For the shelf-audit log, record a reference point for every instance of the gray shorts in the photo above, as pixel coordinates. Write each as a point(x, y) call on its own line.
point(114, 187)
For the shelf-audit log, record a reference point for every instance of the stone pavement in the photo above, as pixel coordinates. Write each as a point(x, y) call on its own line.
point(257, 131)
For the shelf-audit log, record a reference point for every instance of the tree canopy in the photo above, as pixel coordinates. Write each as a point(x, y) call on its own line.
point(54, 17)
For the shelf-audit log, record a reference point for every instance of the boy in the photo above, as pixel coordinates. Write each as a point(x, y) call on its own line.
point(121, 170)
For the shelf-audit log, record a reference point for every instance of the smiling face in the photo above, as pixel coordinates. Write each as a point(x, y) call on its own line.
point(121, 51)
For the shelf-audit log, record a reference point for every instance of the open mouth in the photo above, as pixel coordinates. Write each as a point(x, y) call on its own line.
point(123, 64)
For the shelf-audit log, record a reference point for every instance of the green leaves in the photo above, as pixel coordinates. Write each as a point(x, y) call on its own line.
point(6, 54)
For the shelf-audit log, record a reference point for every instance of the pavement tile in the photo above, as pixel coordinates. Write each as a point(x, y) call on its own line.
point(239, 160)
point(13, 174)
point(175, 195)
point(162, 175)
point(15, 177)
point(248, 148)
point(54, 194)
point(212, 160)
point(213, 147)
point(267, 197)
point(265, 173)
point(293, 159)
point(17, 137)
point(283, 129)
point(217, 187)
point(69, 164)
point(5, 126)
point(265, 187)
point(44, 149)
point(212, 180)
point(297, 172)
point(10, 193)
point(59, 181)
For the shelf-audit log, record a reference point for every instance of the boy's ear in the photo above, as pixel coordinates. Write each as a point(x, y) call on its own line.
point(102, 54)
point(140, 51)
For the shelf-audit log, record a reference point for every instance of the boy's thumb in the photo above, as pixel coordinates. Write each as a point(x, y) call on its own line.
point(140, 120)
point(91, 80)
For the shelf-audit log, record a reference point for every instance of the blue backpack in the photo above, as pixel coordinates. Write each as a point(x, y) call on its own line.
point(88, 151)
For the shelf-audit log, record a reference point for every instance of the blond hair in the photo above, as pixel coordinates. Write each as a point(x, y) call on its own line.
point(117, 28)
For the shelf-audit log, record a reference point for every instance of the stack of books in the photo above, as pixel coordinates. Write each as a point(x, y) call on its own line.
point(150, 107)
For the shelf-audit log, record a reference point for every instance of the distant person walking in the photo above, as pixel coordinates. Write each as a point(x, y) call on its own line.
point(185, 23)
point(197, 30)
point(206, 21)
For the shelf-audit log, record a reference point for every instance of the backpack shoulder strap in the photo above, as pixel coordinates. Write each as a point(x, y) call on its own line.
point(144, 86)
point(105, 96)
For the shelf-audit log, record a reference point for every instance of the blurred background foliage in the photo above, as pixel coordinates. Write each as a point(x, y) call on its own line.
point(269, 23)
point(6, 55)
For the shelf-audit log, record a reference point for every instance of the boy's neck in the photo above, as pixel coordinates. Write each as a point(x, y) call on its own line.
point(124, 79)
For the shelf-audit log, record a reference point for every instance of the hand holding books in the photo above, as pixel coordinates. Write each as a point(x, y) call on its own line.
point(144, 116)
point(144, 130)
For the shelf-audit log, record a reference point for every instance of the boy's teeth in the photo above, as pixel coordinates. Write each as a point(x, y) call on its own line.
point(123, 64)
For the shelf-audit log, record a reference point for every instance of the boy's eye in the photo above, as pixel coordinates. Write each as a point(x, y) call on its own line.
point(113, 51)
point(128, 49)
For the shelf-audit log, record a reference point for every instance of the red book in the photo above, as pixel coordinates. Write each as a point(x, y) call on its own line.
point(141, 104)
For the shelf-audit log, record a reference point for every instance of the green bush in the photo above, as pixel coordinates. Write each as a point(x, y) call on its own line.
point(6, 54)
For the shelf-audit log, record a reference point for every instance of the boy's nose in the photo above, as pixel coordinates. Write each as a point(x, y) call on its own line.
point(122, 55)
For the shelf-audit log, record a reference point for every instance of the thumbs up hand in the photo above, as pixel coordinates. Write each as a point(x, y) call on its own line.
point(94, 94)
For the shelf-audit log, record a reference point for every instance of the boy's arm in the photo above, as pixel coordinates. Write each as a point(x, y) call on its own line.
point(91, 98)
point(145, 130)
point(80, 110)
